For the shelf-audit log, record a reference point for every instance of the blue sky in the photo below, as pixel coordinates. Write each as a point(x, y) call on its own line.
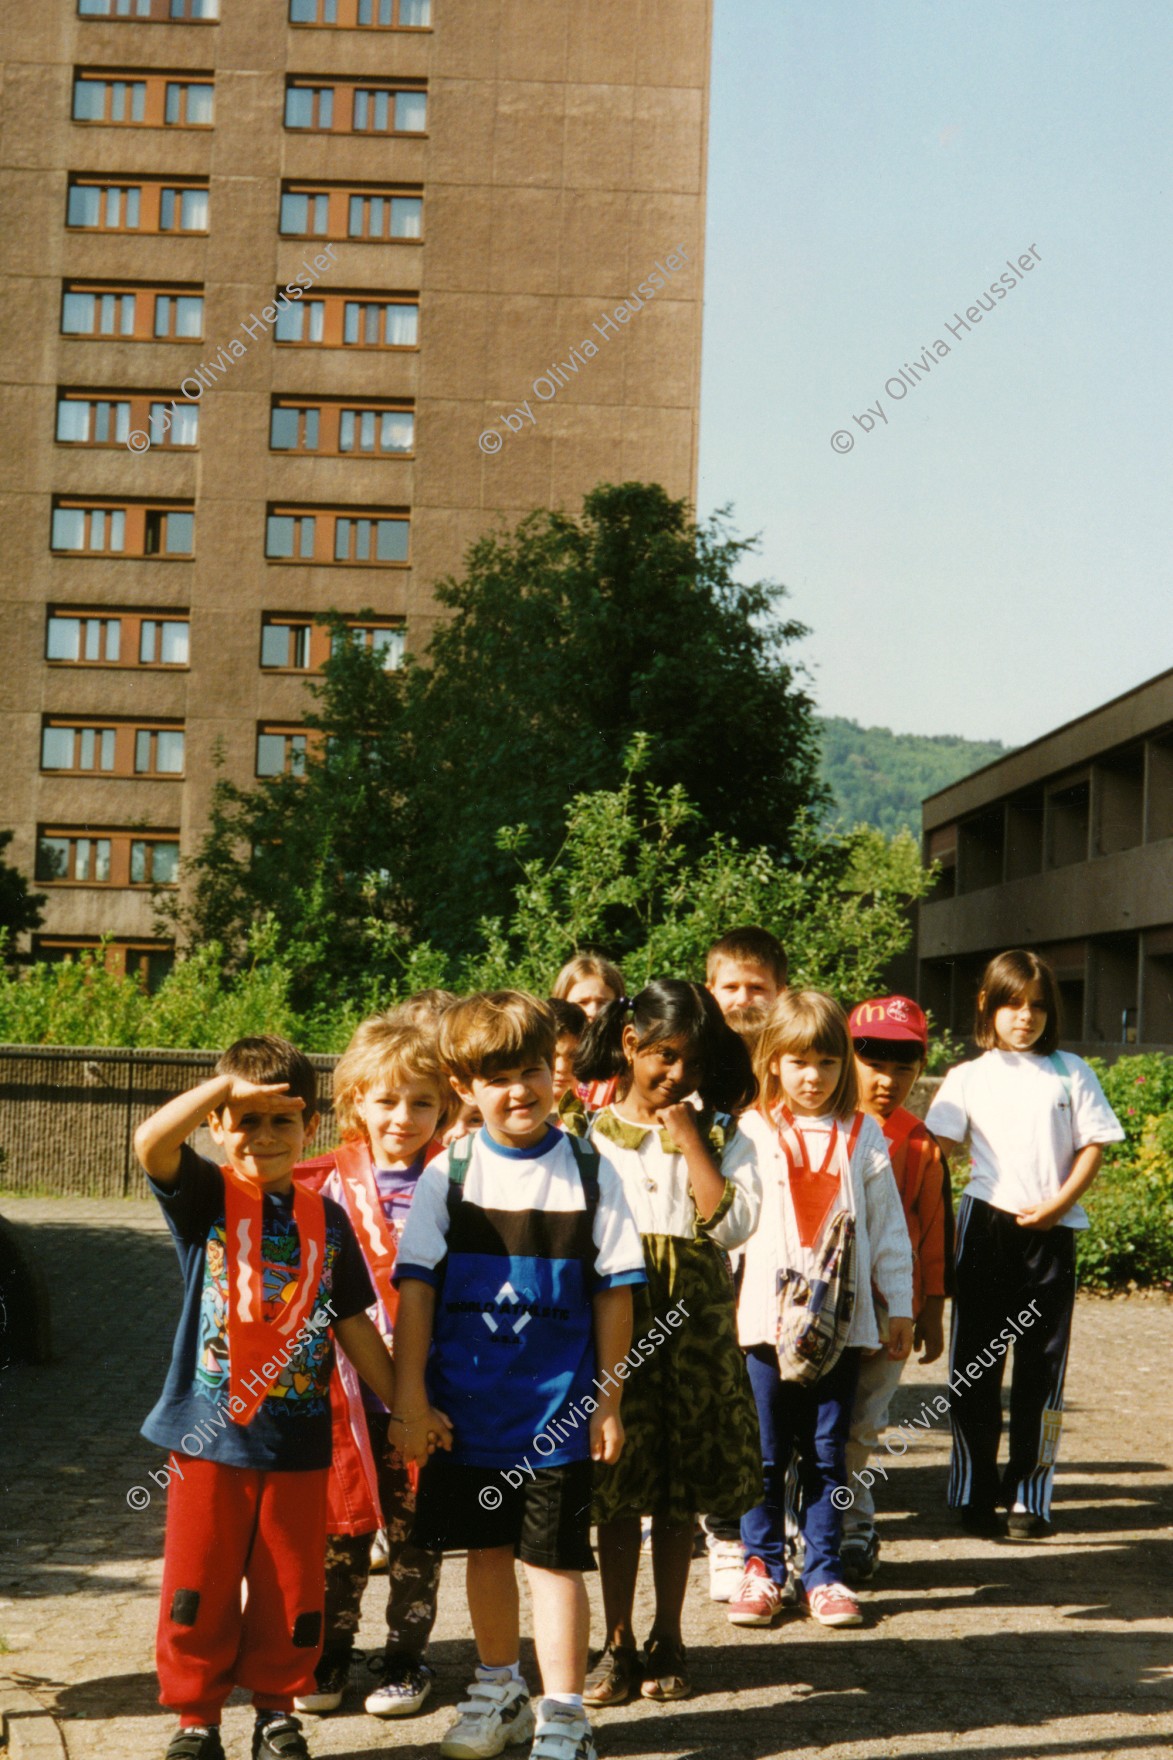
point(996, 558)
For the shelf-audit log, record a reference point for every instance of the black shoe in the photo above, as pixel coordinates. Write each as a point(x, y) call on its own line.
point(983, 1523)
point(1022, 1525)
point(279, 1739)
point(858, 1556)
point(196, 1744)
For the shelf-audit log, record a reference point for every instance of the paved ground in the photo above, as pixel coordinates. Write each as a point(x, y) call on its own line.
point(1055, 1652)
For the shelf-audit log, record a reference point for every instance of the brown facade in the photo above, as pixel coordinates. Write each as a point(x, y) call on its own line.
point(1065, 846)
point(470, 200)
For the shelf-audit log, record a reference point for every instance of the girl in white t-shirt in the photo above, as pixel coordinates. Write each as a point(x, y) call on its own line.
point(819, 1157)
point(1034, 1120)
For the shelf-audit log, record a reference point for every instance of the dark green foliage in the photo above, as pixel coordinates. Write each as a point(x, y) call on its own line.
point(564, 639)
point(20, 909)
point(879, 778)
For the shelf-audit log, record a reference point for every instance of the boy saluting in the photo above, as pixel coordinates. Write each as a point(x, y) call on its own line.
point(269, 1270)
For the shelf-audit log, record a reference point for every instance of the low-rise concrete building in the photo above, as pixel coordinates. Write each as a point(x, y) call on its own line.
point(1066, 846)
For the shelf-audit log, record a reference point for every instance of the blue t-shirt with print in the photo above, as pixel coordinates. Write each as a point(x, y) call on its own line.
point(290, 1431)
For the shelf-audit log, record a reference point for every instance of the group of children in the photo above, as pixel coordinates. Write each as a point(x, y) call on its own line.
point(655, 1257)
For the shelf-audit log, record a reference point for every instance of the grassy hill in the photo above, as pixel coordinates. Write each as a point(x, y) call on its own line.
point(880, 777)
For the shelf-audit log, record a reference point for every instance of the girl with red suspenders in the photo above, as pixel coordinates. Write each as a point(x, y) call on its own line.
point(824, 1167)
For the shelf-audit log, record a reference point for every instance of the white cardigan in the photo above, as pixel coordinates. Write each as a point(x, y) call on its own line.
point(883, 1252)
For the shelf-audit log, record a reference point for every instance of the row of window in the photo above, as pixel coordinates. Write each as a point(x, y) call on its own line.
point(148, 961)
point(129, 98)
point(402, 15)
point(334, 428)
point(90, 857)
point(154, 751)
point(361, 214)
point(377, 537)
point(290, 641)
point(139, 313)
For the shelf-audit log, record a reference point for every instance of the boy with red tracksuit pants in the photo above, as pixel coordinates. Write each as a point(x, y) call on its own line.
point(269, 1274)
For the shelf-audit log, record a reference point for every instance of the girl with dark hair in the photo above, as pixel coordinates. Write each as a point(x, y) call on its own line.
point(1034, 1120)
point(691, 1179)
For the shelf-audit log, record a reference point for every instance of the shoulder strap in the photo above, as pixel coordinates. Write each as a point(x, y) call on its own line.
point(853, 1135)
point(587, 1158)
point(459, 1156)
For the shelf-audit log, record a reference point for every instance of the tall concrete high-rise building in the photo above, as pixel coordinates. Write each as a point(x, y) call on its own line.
point(301, 297)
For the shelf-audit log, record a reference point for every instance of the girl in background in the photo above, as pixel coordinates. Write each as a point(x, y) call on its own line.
point(1034, 1120)
point(691, 1435)
point(591, 981)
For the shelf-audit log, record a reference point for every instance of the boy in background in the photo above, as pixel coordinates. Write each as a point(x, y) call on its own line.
point(571, 1023)
point(514, 1276)
point(268, 1271)
point(747, 971)
point(890, 1039)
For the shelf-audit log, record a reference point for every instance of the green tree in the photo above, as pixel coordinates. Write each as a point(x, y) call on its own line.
point(20, 909)
point(317, 853)
point(563, 639)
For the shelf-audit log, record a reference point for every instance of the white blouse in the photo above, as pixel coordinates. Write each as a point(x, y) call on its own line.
point(656, 1186)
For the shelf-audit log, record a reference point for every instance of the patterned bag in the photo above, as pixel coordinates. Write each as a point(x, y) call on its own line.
point(815, 1310)
point(814, 1315)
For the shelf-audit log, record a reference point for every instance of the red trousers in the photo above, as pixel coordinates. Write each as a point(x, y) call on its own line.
point(230, 1528)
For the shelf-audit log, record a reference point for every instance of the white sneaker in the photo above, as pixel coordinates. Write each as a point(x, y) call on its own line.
point(726, 1568)
point(496, 1713)
point(563, 1733)
point(402, 1691)
point(379, 1551)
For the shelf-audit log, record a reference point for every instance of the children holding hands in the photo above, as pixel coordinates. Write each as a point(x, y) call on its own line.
point(515, 1276)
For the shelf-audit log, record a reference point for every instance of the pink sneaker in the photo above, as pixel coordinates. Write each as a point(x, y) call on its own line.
point(759, 1600)
point(833, 1604)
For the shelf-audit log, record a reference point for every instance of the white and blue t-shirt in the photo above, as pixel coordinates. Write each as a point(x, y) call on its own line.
point(515, 1263)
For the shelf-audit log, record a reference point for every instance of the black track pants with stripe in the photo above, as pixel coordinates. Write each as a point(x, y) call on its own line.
point(1015, 1289)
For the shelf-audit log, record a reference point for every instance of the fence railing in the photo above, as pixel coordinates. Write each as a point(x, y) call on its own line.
point(68, 1113)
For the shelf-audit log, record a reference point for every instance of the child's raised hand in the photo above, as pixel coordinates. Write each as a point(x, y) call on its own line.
point(246, 1096)
point(680, 1121)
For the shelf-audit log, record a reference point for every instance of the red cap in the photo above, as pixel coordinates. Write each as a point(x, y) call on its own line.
point(890, 1017)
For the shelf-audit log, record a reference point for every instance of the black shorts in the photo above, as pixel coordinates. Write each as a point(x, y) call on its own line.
point(546, 1519)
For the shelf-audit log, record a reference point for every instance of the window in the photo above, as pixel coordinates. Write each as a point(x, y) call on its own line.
point(370, 216)
point(189, 104)
point(85, 421)
point(286, 644)
point(339, 321)
point(280, 751)
point(292, 642)
point(154, 862)
point(84, 641)
point(384, 15)
point(371, 536)
point(109, 100)
point(373, 429)
point(148, 961)
point(150, 100)
point(85, 857)
point(94, 420)
point(148, 205)
point(153, 11)
point(74, 858)
point(158, 751)
point(345, 107)
point(77, 748)
point(142, 313)
point(89, 636)
point(331, 211)
point(309, 107)
point(134, 529)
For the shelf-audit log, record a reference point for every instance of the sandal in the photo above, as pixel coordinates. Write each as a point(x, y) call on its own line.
point(664, 1676)
point(614, 1678)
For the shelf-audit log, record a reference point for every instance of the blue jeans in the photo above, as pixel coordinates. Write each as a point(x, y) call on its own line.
point(815, 1421)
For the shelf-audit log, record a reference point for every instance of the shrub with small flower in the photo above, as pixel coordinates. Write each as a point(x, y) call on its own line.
point(1130, 1207)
